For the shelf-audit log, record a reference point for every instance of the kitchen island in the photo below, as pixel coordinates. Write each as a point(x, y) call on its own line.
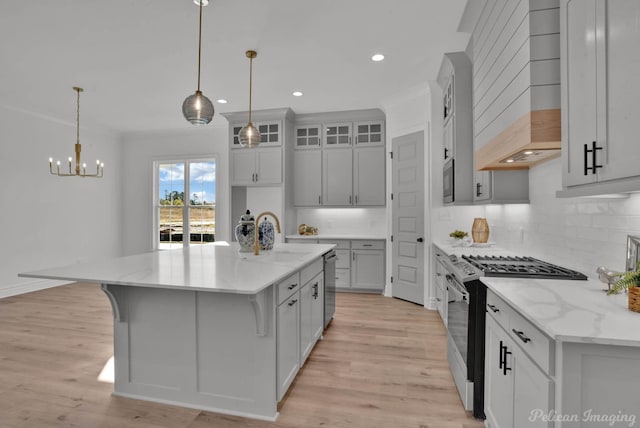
point(209, 327)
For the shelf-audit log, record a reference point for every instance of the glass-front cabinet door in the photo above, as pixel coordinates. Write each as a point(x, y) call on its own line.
point(337, 134)
point(369, 133)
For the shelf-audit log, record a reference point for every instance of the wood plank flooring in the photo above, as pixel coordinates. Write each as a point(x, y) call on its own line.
point(382, 363)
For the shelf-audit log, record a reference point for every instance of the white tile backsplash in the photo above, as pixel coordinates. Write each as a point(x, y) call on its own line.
point(579, 233)
point(355, 221)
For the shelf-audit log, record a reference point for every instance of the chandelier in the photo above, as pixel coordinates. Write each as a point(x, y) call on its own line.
point(80, 170)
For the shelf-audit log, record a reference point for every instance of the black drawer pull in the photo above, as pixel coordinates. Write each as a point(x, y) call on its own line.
point(293, 302)
point(292, 286)
point(521, 335)
point(493, 308)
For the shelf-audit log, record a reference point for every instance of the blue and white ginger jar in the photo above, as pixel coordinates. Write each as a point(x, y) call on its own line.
point(246, 232)
point(266, 234)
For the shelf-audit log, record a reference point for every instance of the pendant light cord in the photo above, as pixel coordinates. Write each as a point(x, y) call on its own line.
point(199, 43)
point(250, 84)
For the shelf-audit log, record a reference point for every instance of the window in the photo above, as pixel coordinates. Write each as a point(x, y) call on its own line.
point(185, 202)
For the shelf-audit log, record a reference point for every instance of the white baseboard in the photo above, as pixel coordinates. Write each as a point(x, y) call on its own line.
point(16, 289)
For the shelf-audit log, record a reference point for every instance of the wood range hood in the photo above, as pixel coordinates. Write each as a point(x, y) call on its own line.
point(530, 140)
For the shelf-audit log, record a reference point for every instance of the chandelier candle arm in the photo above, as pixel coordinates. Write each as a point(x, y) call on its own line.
point(78, 148)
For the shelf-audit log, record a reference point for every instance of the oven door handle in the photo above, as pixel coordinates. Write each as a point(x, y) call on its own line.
point(455, 289)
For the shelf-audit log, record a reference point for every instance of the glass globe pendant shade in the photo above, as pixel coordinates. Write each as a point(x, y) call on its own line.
point(198, 109)
point(249, 136)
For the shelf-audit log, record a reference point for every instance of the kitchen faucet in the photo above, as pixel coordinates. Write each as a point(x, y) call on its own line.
point(256, 245)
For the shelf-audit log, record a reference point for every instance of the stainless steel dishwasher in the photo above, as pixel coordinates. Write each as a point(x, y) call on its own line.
point(329, 286)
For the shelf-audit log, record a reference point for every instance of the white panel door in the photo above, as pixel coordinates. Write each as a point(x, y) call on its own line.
point(269, 166)
point(408, 217)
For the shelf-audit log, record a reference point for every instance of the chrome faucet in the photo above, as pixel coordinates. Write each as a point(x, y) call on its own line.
point(256, 244)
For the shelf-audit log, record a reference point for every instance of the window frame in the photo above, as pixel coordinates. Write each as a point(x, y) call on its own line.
point(187, 161)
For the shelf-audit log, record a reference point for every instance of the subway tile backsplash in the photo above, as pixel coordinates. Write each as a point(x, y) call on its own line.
point(579, 233)
point(352, 221)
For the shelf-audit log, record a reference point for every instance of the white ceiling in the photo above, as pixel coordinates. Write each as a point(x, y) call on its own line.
point(137, 59)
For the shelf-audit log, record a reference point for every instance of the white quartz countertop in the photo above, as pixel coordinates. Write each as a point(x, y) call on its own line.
point(565, 310)
point(217, 267)
point(571, 311)
point(337, 236)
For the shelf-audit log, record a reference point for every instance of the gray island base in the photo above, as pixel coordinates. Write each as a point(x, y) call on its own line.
point(208, 327)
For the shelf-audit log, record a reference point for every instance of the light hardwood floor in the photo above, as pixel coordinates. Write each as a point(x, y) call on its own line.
point(382, 363)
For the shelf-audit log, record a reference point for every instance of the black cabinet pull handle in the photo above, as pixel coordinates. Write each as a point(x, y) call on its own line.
point(505, 369)
point(293, 302)
point(292, 286)
point(446, 151)
point(521, 335)
point(493, 308)
point(594, 158)
point(478, 187)
point(500, 357)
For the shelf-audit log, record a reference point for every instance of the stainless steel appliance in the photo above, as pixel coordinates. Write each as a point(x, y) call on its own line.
point(448, 181)
point(329, 286)
point(467, 298)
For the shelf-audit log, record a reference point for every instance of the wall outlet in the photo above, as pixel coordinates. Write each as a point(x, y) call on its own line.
point(522, 235)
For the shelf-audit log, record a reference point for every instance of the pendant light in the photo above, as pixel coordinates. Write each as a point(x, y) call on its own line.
point(79, 171)
point(249, 136)
point(197, 108)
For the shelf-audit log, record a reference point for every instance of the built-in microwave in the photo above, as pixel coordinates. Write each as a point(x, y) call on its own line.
point(448, 181)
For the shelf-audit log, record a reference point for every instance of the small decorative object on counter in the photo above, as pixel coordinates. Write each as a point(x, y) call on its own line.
point(458, 234)
point(480, 230)
point(303, 229)
point(266, 234)
point(629, 281)
point(245, 232)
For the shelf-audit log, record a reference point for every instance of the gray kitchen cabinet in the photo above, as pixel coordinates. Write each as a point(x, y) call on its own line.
point(311, 315)
point(441, 294)
point(343, 261)
point(368, 176)
point(454, 79)
point(353, 177)
point(367, 265)
point(253, 167)
point(599, 96)
point(501, 187)
point(337, 134)
point(308, 137)
point(307, 178)
point(518, 363)
point(270, 133)
point(369, 133)
point(288, 325)
point(337, 177)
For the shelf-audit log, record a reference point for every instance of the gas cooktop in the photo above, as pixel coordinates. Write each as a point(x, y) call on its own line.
point(521, 267)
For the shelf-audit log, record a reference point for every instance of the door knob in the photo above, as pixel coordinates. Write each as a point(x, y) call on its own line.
point(420, 240)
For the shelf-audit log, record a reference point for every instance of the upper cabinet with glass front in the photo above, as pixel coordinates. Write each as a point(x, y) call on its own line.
point(270, 133)
point(308, 136)
point(370, 133)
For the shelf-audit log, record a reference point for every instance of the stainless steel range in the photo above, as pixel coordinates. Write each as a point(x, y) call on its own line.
point(466, 313)
point(521, 267)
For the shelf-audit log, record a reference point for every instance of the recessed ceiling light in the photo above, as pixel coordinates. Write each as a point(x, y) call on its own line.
point(377, 57)
point(509, 160)
point(221, 101)
point(297, 94)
